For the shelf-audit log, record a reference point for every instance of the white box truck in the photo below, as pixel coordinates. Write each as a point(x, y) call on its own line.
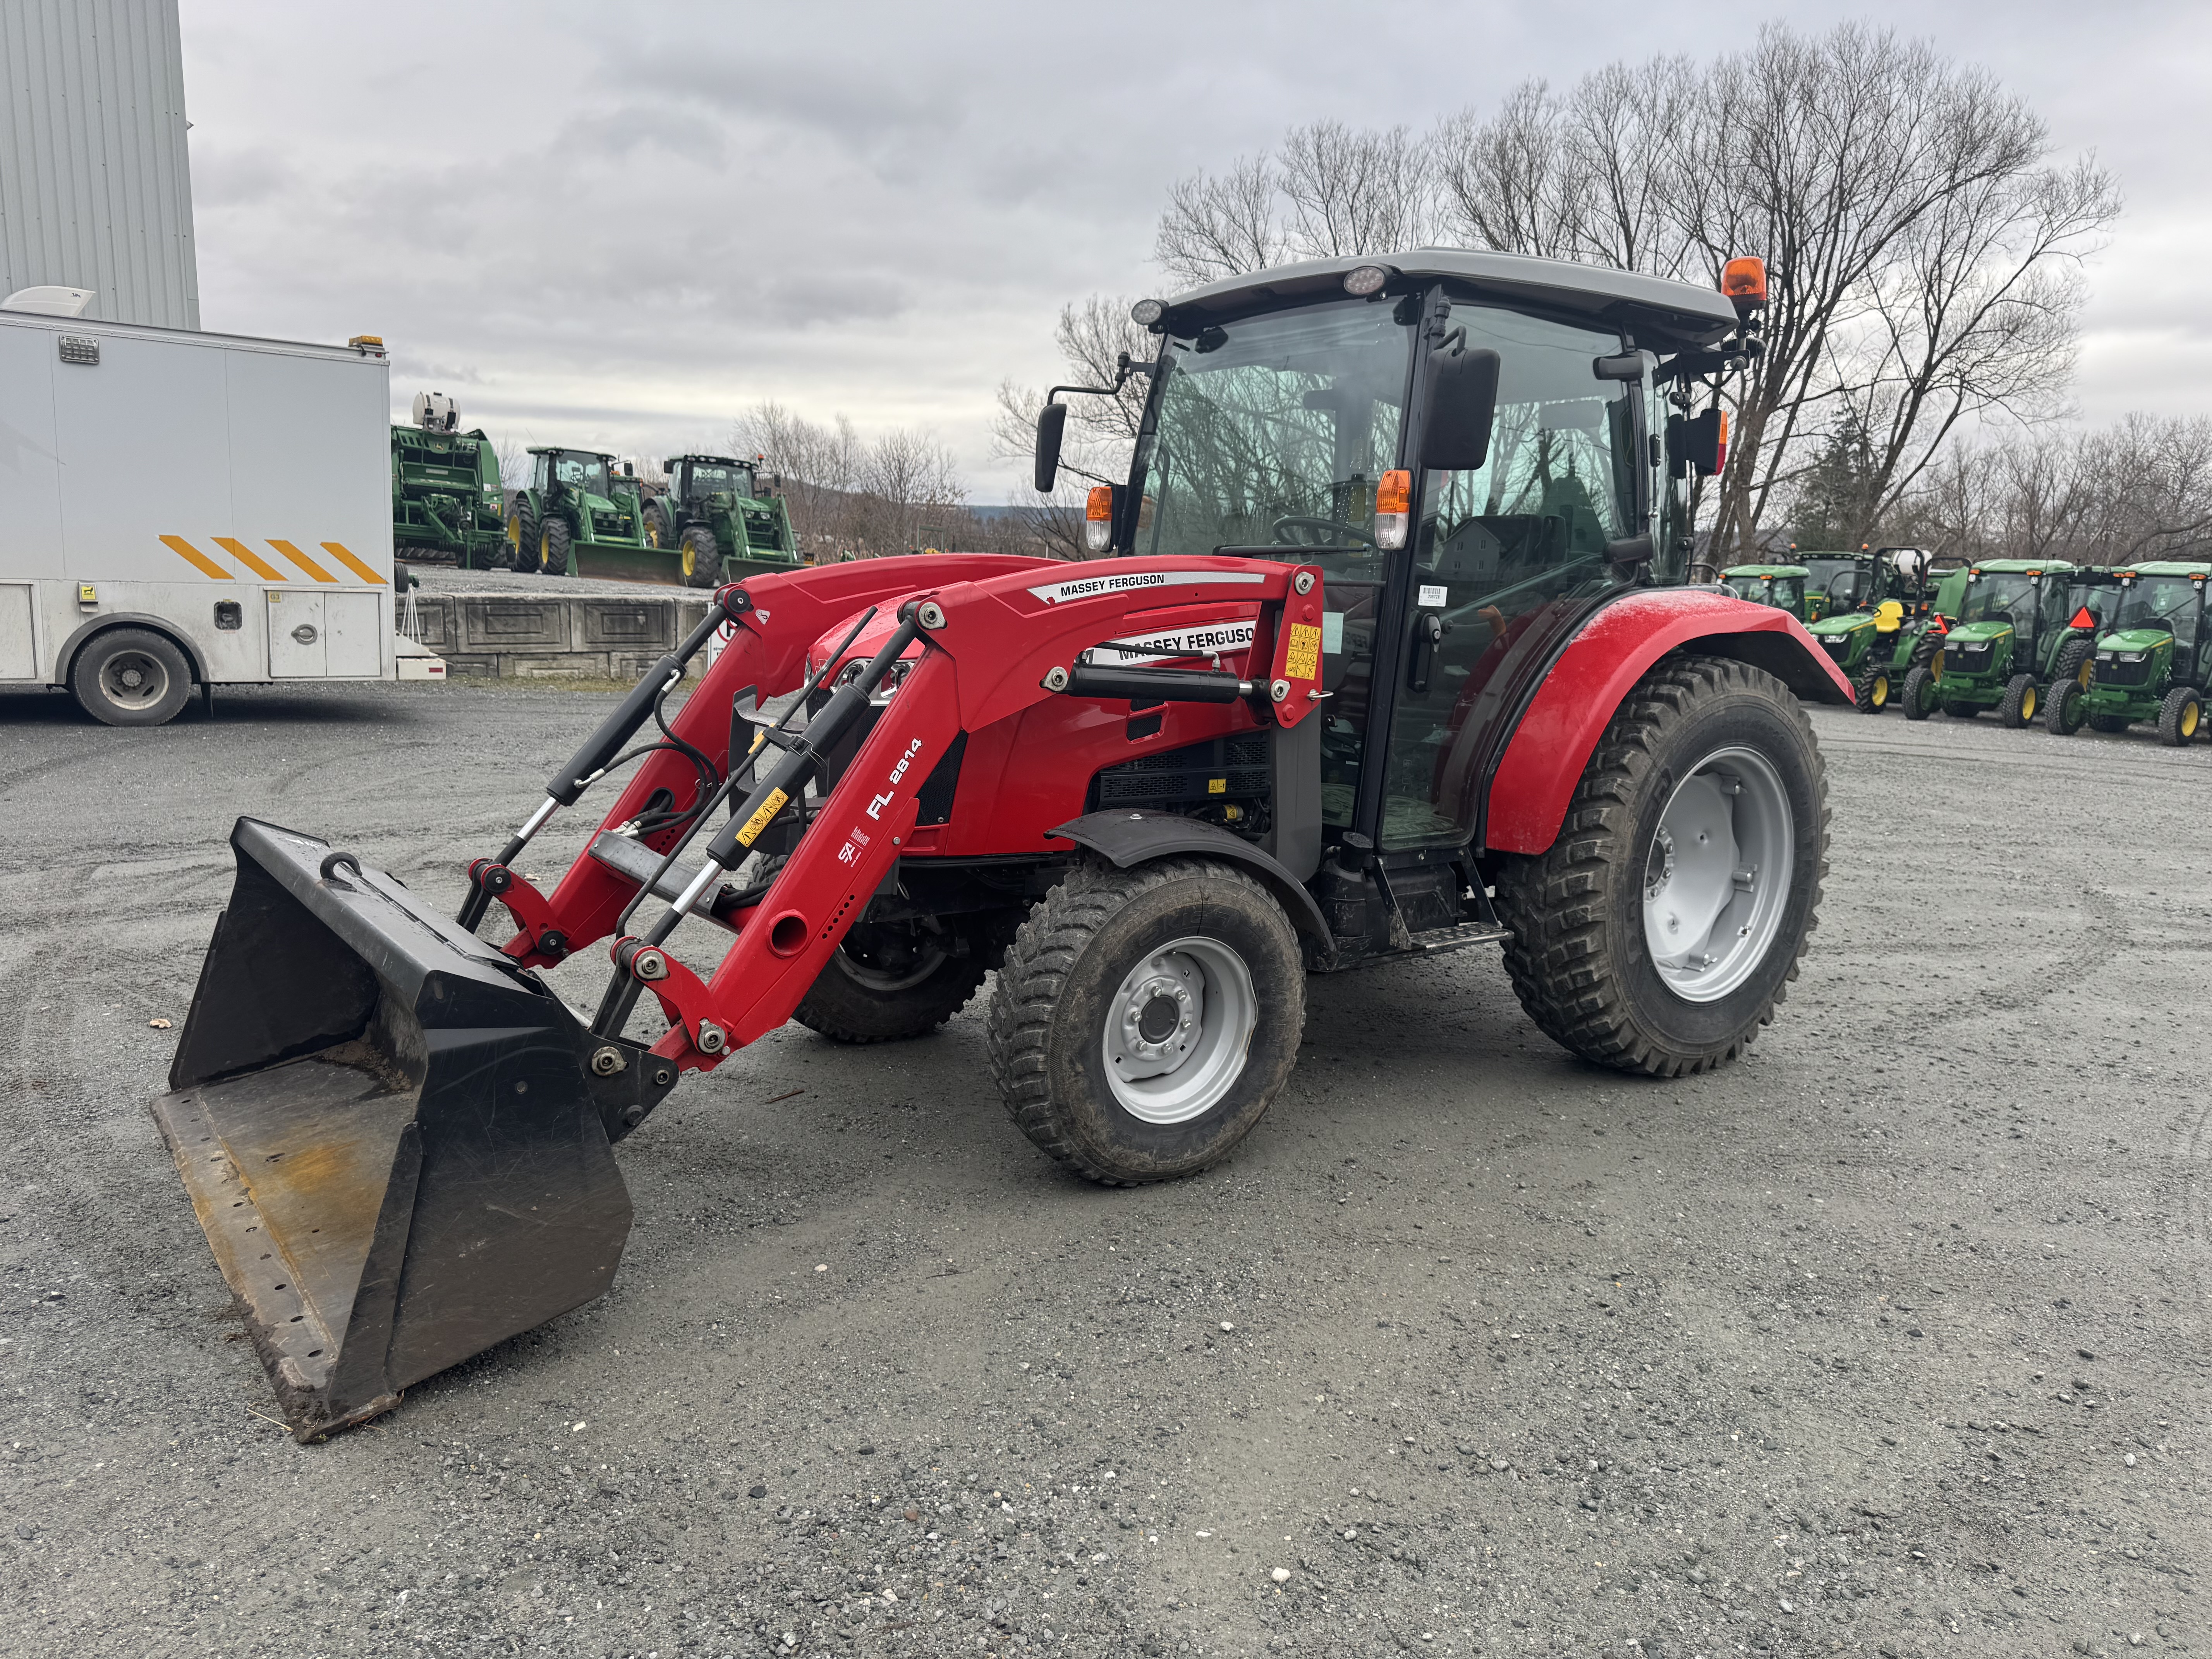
point(180, 509)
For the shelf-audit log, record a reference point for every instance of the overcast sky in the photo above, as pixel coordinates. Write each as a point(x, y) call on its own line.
point(618, 226)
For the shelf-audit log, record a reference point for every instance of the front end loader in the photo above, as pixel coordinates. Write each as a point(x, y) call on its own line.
point(2151, 665)
point(1389, 650)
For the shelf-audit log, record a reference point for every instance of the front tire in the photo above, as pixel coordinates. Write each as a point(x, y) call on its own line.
point(885, 985)
point(701, 559)
point(1143, 1020)
point(1873, 692)
point(2179, 716)
point(553, 548)
point(655, 526)
point(1654, 836)
point(2019, 706)
point(130, 676)
point(2061, 715)
point(1920, 692)
point(521, 536)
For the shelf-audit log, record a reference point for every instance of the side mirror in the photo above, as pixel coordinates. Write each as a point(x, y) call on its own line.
point(1052, 425)
point(1462, 405)
point(1699, 441)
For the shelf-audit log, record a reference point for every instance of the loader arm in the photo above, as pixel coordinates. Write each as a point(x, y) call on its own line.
point(1002, 645)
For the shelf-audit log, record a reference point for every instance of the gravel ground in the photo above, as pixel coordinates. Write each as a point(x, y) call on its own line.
point(1891, 1338)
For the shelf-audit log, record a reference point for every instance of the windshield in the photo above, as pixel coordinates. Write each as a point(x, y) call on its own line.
point(586, 473)
point(2166, 602)
point(706, 479)
point(2002, 597)
point(1273, 431)
point(1845, 581)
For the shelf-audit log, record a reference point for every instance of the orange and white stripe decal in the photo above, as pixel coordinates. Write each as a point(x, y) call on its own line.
point(214, 569)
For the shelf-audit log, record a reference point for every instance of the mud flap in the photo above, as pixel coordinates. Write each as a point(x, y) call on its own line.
point(397, 1142)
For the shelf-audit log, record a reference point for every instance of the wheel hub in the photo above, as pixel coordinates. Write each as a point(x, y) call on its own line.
point(1176, 1030)
point(1717, 878)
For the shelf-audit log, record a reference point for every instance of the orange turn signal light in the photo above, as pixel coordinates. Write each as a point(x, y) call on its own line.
point(1744, 280)
point(1394, 507)
point(1099, 519)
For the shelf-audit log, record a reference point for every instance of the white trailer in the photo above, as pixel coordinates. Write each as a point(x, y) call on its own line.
point(181, 509)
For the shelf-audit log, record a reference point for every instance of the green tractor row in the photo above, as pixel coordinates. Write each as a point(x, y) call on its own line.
point(2150, 662)
point(579, 516)
point(445, 489)
point(1875, 614)
point(2021, 624)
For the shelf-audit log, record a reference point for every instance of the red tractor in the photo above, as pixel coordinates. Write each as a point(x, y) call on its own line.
point(1388, 651)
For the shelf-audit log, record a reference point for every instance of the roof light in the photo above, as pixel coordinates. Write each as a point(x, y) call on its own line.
point(1362, 280)
point(1145, 312)
point(1098, 520)
point(1744, 281)
point(1394, 501)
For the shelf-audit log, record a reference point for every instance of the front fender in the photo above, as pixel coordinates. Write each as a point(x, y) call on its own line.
point(1544, 759)
point(1126, 838)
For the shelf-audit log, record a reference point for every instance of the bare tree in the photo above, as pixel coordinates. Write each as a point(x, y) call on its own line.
point(1222, 226)
point(1101, 431)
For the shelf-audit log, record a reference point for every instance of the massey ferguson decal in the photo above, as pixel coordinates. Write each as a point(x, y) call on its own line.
point(1129, 582)
point(1197, 639)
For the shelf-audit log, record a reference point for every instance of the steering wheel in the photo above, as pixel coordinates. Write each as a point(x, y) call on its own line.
point(1306, 521)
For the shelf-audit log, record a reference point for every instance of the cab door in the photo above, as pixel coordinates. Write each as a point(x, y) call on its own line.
point(1508, 561)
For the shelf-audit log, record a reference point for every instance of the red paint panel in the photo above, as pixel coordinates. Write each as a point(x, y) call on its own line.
point(1545, 760)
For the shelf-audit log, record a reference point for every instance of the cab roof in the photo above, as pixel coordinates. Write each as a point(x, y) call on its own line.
point(2019, 566)
point(569, 449)
point(713, 460)
point(1662, 315)
point(1765, 570)
point(2169, 568)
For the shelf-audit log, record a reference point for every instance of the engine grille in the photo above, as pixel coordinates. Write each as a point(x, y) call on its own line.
point(2110, 670)
point(1837, 646)
point(1187, 776)
point(1967, 658)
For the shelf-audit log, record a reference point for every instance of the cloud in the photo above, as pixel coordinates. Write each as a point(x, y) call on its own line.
point(622, 227)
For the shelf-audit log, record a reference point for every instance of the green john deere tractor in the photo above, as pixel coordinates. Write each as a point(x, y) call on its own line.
point(1837, 582)
point(572, 500)
point(722, 519)
point(2013, 634)
point(1781, 586)
point(1875, 621)
point(445, 489)
point(2093, 599)
point(2151, 664)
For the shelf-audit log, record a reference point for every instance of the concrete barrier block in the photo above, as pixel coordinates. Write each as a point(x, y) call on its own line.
point(515, 625)
point(646, 625)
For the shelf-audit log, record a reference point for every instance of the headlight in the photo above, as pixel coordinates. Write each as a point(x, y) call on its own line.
point(2133, 656)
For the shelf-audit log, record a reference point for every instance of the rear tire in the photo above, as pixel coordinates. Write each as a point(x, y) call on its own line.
point(658, 532)
point(881, 990)
point(1920, 692)
point(1582, 913)
point(2062, 714)
point(1115, 954)
point(2073, 662)
point(2179, 716)
point(130, 676)
point(553, 548)
point(2020, 698)
point(521, 536)
point(1873, 692)
point(701, 559)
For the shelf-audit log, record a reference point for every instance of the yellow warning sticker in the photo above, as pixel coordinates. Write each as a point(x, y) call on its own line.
point(1217, 786)
point(1302, 661)
point(760, 820)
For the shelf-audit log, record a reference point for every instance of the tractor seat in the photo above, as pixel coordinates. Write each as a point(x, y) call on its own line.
point(1888, 616)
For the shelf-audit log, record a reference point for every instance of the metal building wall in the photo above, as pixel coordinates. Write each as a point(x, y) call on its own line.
point(95, 185)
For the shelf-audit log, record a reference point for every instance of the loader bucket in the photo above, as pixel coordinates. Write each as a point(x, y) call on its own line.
point(395, 1140)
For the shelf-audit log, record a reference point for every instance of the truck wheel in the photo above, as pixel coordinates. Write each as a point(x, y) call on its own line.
point(2018, 707)
point(2062, 714)
point(553, 548)
point(1143, 1020)
point(1920, 692)
point(1873, 692)
point(521, 537)
point(2179, 716)
point(887, 983)
point(130, 676)
point(2108, 723)
point(1661, 929)
point(655, 521)
point(2073, 661)
point(701, 559)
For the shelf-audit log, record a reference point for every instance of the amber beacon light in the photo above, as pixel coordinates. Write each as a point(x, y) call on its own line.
point(1744, 280)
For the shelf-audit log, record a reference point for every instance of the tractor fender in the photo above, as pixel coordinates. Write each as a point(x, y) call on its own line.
point(1127, 839)
point(1576, 700)
point(67, 657)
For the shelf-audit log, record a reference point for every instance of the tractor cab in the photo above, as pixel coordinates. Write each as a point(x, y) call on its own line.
point(1781, 586)
point(697, 479)
point(1839, 582)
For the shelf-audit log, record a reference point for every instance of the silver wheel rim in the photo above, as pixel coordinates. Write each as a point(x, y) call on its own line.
point(1717, 878)
point(1164, 1070)
point(133, 679)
